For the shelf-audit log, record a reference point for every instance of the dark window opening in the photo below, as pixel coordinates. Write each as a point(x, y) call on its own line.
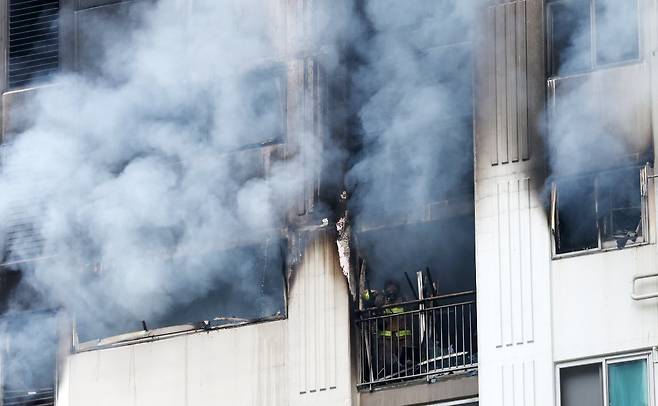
point(587, 34)
point(599, 211)
point(446, 247)
point(245, 284)
point(617, 34)
point(28, 359)
point(33, 49)
point(569, 34)
point(576, 228)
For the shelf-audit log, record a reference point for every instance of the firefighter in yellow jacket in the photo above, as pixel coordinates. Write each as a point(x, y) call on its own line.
point(395, 341)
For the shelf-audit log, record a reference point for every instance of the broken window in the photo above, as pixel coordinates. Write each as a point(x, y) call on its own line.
point(599, 211)
point(587, 34)
point(235, 285)
point(33, 49)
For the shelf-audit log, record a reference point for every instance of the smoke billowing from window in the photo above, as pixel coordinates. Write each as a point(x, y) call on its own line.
point(598, 107)
point(139, 179)
point(137, 175)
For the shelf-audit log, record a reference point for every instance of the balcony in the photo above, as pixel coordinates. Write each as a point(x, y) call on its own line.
point(417, 339)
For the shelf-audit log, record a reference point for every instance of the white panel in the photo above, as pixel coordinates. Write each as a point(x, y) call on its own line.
point(321, 373)
point(513, 282)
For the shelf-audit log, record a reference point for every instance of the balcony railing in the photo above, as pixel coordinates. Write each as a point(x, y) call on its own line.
point(417, 339)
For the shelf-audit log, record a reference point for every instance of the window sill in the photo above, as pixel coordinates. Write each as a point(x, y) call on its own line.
point(137, 337)
point(594, 71)
point(597, 251)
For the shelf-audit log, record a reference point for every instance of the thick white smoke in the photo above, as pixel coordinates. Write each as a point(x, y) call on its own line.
point(136, 164)
point(599, 116)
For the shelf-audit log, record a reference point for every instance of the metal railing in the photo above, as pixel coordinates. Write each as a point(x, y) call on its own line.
point(417, 339)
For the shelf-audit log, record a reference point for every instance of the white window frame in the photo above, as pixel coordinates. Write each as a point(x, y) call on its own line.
point(604, 362)
point(644, 174)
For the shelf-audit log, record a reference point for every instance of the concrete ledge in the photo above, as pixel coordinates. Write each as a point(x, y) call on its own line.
point(418, 393)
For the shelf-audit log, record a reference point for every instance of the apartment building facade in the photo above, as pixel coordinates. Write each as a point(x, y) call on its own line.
point(530, 281)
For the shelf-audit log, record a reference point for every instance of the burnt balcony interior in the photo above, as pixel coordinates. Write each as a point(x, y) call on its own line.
point(416, 315)
point(412, 207)
point(597, 102)
point(607, 209)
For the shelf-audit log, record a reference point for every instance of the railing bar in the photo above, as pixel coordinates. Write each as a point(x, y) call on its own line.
point(413, 334)
point(441, 343)
point(416, 311)
point(448, 333)
point(420, 375)
point(470, 332)
point(377, 347)
point(397, 333)
point(390, 347)
point(463, 336)
point(434, 340)
point(428, 337)
point(429, 299)
point(406, 348)
point(456, 339)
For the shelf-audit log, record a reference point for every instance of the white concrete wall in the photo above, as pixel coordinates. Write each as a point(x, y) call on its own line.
point(534, 311)
point(303, 360)
point(512, 239)
point(593, 313)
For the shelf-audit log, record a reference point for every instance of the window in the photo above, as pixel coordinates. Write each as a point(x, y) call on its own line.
point(611, 382)
point(247, 283)
point(261, 104)
point(33, 50)
point(587, 34)
point(600, 211)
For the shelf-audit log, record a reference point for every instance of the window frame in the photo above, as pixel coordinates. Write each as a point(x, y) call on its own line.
point(644, 173)
point(593, 62)
point(604, 361)
point(192, 326)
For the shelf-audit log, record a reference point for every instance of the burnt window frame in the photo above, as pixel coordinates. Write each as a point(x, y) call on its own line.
point(603, 245)
point(593, 65)
point(135, 336)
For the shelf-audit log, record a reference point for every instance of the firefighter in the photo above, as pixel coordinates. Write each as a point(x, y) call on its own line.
point(395, 338)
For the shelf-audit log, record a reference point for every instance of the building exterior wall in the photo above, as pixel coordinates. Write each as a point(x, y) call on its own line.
point(534, 311)
point(512, 239)
point(304, 359)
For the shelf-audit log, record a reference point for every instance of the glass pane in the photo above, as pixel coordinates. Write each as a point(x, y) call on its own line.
point(581, 386)
point(577, 227)
point(569, 23)
point(627, 383)
point(616, 31)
